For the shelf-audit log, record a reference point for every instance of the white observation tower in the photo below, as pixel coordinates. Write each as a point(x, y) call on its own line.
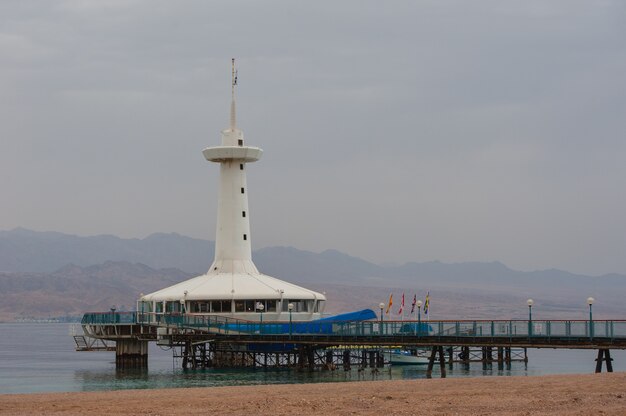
point(233, 251)
point(233, 285)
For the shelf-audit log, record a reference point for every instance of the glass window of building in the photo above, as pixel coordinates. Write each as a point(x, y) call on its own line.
point(227, 306)
point(298, 305)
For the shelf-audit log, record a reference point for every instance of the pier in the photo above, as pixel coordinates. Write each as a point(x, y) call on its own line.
point(214, 341)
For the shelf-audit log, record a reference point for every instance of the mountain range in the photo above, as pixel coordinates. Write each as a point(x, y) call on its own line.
point(51, 273)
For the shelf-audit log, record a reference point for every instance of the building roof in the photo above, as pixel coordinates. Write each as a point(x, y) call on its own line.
point(216, 286)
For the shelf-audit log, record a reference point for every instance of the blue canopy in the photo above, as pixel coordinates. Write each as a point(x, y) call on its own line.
point(362, 315)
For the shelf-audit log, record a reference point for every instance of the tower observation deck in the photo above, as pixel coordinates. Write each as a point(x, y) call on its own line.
point(233, 286)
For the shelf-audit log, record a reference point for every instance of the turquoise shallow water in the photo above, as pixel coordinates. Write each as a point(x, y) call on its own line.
point(41, 358)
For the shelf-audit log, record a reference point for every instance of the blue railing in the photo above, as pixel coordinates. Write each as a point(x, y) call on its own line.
point(109, 318)
point(557, 329)
point(562, 329)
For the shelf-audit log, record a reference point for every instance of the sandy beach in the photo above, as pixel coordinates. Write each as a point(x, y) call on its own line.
point(589, 394)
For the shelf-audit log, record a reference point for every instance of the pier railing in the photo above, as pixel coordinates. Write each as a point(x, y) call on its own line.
point(562, 329)
point(476, 329)
point(109, 318)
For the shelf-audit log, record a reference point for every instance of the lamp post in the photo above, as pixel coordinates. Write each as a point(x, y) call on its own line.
point(113, 313)
point(381, 306)
point(419, 316)
point(290, 307)
point(261, 308)
point(142, 305)
point(590, 301)
point(530, 304)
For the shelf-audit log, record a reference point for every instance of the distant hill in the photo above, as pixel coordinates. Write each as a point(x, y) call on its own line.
point(52, 273)
point(23, 250)
point(73, 290)
point(333, 267)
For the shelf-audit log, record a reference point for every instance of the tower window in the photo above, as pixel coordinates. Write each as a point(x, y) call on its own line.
point(242, 190)
point(243, 214)
point(241, 166)
point(240, 142)
point(245, 237)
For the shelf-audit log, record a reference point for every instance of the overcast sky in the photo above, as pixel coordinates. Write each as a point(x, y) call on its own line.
point(393, 131)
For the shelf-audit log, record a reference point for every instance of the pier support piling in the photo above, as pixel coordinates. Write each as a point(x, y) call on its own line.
point(464, 356)
point(346, 360)
point(604, 355)
point(431, 362)
point(131, 353)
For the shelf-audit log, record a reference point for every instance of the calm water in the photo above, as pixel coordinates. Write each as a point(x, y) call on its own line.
point(41, 358)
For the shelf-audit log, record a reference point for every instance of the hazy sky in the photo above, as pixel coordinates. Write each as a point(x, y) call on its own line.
point(394, 131)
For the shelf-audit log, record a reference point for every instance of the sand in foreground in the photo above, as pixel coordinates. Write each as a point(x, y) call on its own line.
point(591, 394)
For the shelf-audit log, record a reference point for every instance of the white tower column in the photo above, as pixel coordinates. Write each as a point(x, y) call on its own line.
point(233, 249)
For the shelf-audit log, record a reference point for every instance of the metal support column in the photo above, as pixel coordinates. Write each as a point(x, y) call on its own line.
point(604, 355)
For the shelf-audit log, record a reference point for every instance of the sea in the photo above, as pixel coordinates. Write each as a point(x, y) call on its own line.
point(41, 357)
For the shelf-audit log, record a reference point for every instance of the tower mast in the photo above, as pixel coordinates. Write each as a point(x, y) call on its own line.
point(233, 116)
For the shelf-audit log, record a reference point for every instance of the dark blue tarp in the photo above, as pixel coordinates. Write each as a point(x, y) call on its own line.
point(363, 315)
point(318, 326)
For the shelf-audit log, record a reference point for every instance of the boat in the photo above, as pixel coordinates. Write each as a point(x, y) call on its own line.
point(405, 357)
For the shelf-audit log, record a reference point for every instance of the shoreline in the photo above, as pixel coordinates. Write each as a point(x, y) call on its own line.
point(582, 394)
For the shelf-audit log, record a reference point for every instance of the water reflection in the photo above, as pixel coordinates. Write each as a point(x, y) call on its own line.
point(26, 366)
point(89, 380)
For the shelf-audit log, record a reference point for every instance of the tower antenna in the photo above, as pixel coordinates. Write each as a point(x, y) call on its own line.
point(233, 117)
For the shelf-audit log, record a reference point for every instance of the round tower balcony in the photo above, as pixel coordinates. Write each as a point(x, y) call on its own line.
point(219, 154)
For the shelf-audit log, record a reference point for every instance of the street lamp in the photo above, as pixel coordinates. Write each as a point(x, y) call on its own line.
point(530, 304)
point(142, 306)
point(113, 313)
point(381, 306)
point(590, 301)
point(260, 307)
point(290, 307)
point(419, 316)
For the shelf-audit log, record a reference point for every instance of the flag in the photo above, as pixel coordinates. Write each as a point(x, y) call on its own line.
point(427, 303)
point(390, 303)
point(401, 305)
point(413, 304)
